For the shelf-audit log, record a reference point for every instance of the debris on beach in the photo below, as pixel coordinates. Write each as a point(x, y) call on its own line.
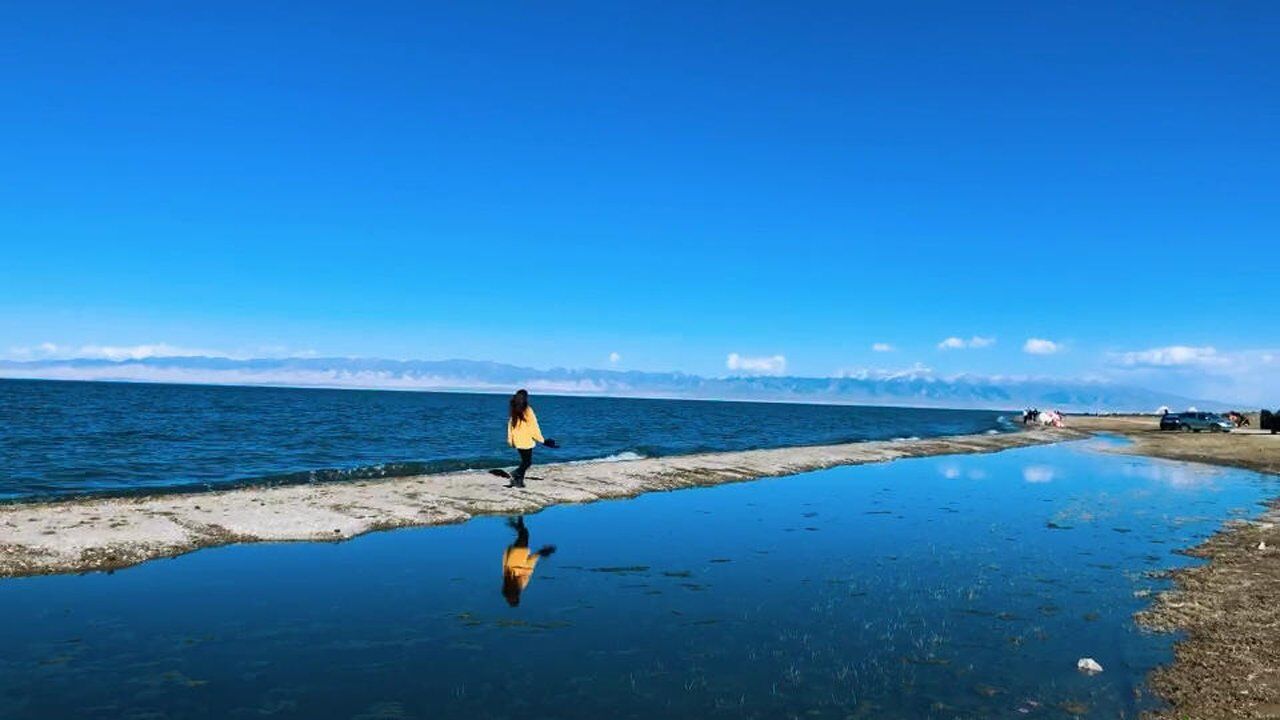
point(1088, 665)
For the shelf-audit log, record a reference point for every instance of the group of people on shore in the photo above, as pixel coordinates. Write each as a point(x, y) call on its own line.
point(1047, 418)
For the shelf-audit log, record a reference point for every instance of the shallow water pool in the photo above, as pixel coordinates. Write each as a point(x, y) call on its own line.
point(959, 586)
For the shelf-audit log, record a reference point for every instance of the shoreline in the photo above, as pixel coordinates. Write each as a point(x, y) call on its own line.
point(1227, 664)
point(110, 533)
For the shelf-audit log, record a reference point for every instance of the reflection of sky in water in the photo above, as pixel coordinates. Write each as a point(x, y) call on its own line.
point(955, 472)
point(1176, 475)
point(936, 587)
point(1039, 473)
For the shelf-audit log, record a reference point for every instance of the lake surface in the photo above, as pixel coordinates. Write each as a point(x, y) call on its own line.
point(73, 438)
point(956, 586)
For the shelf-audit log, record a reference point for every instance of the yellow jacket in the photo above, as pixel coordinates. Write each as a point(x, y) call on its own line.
point(518, 563)
point(526, 433)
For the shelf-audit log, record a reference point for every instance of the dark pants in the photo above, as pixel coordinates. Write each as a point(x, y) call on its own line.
point(526, 459)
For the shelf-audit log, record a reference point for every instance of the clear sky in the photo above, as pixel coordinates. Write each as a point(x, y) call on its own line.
point(549, 183)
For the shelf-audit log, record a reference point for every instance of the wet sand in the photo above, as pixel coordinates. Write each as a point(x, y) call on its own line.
point(1228, 666)
point(108, 533)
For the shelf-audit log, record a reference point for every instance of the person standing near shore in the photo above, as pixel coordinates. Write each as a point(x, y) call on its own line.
point(523, 434)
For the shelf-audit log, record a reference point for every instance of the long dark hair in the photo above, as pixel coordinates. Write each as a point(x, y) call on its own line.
point(511, 589)
point(519, 405)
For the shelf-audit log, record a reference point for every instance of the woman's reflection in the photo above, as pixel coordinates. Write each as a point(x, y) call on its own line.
point(518, 562)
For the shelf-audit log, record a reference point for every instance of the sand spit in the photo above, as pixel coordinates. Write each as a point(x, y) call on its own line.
point(109, 533)
point(1228, 666)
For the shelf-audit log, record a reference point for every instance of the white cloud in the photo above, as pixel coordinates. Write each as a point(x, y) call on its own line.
point(1204, 372)
point(881, 347)
point(1176, 475)
point(177, 372)
point(954, 472)
point(1172, 356)
point(265, 351)
point(139, 352)
point(54, 351)
point(1040, 346)
point(959, 343)
point(771, 365)
point(915, 372)
point(615, 358)
point(120, 353)
point(33, 352)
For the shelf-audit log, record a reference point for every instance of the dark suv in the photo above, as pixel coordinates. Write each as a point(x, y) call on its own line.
point(1171, 421)
point(1197, 421)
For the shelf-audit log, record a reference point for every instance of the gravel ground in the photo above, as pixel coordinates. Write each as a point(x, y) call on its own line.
point(1228, 664)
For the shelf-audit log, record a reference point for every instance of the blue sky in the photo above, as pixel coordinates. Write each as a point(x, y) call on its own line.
point(549, 183)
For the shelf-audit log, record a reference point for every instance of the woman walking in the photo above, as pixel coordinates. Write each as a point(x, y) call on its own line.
point(523, 433)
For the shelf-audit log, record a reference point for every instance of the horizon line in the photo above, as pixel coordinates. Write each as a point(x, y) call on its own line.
point(483, 391)
point(918, 387)
point(923, 373)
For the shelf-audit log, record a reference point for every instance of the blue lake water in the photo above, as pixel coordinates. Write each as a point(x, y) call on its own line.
point(959, 586)
point(69, 438)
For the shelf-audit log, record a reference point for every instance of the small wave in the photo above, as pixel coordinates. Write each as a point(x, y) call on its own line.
point(363, 472)
point(616, 457)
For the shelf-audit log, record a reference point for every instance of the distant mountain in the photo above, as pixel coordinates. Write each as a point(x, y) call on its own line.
point(911, 388)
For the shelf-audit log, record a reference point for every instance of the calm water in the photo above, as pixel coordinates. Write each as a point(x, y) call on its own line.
point(73, 438)
point(929, 588)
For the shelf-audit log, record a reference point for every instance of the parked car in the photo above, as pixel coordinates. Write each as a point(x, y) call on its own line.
point(1197, 421)
point(1171, 421)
